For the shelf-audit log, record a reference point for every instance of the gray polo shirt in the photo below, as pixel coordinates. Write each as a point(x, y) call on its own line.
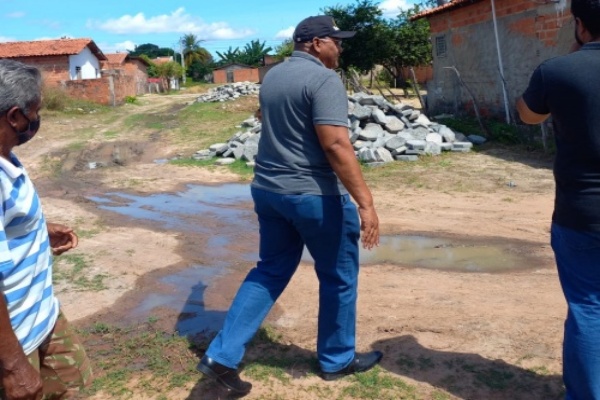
point(295, 96)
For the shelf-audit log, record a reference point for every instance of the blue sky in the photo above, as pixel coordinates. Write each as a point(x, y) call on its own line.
point(118, 25)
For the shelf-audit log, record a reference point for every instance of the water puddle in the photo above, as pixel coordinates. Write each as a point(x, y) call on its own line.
point(185, 287)
point(225, 216)
point(442, 254)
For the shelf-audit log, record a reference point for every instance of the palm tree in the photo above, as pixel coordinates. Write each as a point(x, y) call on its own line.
point(229, 56)
point(193, 51)
point(253, 52)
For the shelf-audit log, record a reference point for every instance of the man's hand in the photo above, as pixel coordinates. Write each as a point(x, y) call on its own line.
point(21, 381)
point(62, 238)
point(369, 225)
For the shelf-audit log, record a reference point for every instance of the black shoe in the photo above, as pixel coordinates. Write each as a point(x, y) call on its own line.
point(361, 363)
point(227, 377)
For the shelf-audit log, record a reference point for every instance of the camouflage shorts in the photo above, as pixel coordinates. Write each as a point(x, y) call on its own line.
point(62, 362)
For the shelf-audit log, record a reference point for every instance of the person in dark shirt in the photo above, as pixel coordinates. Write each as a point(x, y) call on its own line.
point(568, 89)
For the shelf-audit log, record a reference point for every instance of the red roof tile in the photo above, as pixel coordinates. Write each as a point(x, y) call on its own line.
point(116, 58)
point(162, 60)
point(58, 47)
point(446, 7)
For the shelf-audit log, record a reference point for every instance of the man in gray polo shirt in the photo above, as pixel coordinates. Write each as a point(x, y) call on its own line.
point(305, 168)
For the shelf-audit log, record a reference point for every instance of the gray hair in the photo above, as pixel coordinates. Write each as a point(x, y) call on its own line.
point(20, 85)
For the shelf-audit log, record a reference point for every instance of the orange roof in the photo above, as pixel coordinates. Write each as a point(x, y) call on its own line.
point(445, 7)
point(116, 58)
point(57, 47)
point(162, 60)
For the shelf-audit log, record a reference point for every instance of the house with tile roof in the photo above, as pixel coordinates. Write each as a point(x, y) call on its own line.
point(75, 67)
point(59, 60)
point(484, 51)
point(137, 67)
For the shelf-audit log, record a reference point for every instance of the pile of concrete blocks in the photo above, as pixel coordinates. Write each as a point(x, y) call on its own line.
point(381, 132)
point(231, 91)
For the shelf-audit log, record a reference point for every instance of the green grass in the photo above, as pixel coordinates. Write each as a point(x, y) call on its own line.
point(164, 359)
point(72, 270)
point(377, 385)
point(110, 134)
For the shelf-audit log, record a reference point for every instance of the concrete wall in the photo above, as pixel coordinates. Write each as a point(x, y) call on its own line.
point(529, 33)
point(87, 61)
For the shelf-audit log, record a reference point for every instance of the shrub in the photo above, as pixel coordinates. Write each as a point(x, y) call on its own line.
point(54, 98)
point(130, 99)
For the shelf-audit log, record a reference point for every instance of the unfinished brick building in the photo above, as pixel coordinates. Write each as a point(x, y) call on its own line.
point(493, 46)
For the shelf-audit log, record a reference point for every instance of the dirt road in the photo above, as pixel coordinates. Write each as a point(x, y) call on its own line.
point(446, 335)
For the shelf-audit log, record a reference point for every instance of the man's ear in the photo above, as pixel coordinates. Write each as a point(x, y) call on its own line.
point(316, 45)
point(12, 116)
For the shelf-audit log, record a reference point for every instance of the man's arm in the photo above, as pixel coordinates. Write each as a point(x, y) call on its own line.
point(20, 380)
point(62, 238)
point(338, 149)
point(528, 116)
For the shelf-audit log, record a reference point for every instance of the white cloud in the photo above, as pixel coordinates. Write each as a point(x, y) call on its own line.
point(7, 39)
point(116, 47)
point(16, 14)
point(176, 22)
point(285, 33)
point(391, 8)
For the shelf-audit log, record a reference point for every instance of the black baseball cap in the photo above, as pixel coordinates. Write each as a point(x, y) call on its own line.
point(319, 26)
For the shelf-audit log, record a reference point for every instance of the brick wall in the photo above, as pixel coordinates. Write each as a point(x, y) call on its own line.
point(220, 76)
point(245, 75)
point(110, 90)
point(54, 69)
point(239, 75)
point(423, 74)
point(529, 32)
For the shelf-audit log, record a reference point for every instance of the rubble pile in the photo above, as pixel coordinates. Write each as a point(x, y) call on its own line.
point(228, 92)
point(380, 132)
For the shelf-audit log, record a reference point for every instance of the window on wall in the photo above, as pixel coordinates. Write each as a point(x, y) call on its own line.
point(77, 72)
point(440, 46)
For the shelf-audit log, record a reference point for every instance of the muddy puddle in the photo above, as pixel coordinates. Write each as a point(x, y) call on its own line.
point(224, 215)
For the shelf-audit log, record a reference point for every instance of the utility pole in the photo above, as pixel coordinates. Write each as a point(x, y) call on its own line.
point(182, 63)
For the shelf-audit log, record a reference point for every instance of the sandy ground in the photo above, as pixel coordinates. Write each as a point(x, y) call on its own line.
point(509, 319)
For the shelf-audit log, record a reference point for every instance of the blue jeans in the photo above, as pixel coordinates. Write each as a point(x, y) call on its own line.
point(330, 229)
point(578, 260)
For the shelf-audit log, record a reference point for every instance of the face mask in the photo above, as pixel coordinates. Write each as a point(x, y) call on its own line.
point(26, 135)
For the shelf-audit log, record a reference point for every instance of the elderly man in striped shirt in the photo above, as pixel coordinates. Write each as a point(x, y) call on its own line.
point(39, 353)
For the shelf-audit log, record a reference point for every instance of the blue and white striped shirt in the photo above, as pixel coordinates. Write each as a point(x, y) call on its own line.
point(25, 259)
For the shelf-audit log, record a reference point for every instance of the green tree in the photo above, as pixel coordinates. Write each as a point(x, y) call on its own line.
point(198, 70)
point(253, 53)
point(229, 56)
point(152, 51)
point(410, 45)
point(285, 49)
point(152, 68)
point(193, 51)
point(367, 47)
point(169, 70)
